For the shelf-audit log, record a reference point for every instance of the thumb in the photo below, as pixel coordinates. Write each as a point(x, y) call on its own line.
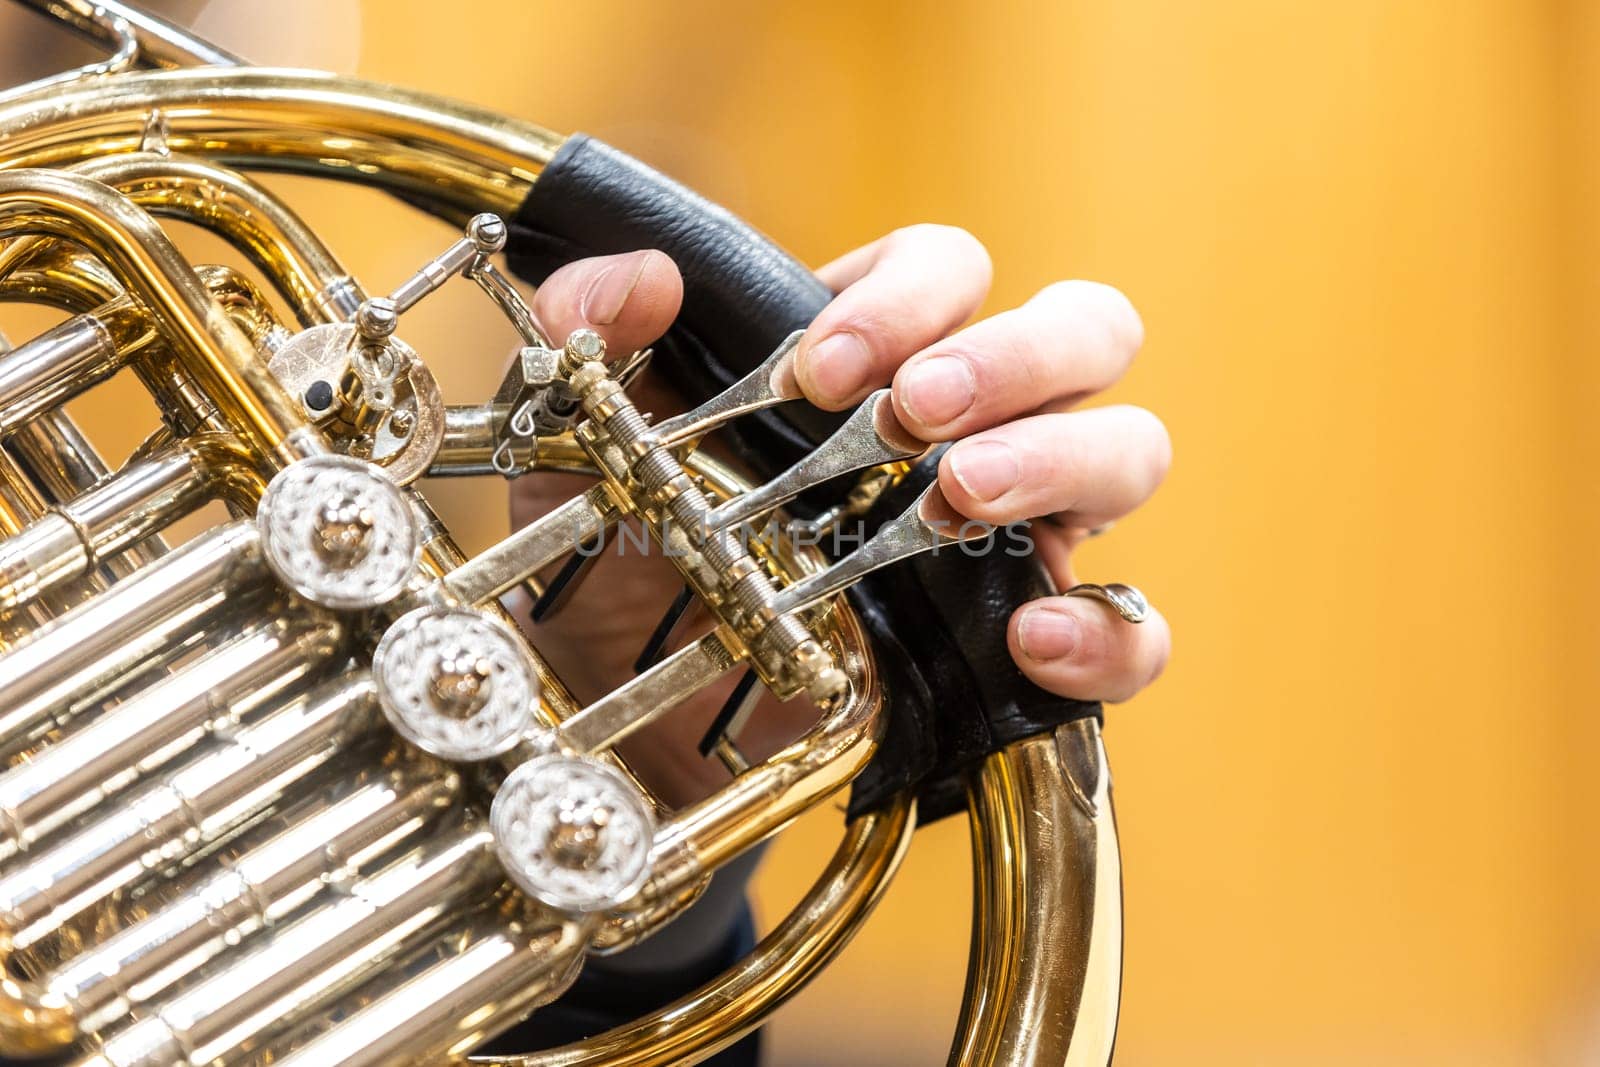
point(628, 299)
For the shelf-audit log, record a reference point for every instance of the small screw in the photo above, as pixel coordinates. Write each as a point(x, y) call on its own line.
point(401, 423)
point(376, 318)
point(488, 232)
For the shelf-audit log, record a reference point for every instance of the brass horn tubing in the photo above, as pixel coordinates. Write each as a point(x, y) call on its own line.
point(52, 451)
point(22, 496)
point(244, 303)
point(62, 462)
point(104, 643)
point(451, 145)
point(764, 799)
point(301, 967)
point(61, 274)
point(469, 442)
point(19, 501)
point(154, 726)
point(253, 220)
point(56, 455)
point(720, 1012)
point(459, 158)
point(109, 329)
point(206, 340)
point(457, 1003)
point(385, 809)
point(619, 930)
point(1044, 982)
point(50, 369)
point(194, 807)
point(113, 522)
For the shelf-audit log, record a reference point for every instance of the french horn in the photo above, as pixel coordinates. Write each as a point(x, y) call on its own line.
point(299, 790)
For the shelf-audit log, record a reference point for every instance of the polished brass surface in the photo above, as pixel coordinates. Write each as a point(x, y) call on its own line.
point(716, 1015)
point(1046, 972)
point(213, 848)
point(459, 159)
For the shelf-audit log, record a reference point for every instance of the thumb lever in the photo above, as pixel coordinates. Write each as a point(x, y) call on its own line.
point(871, 436)
point(929, 524)
point(771, 383)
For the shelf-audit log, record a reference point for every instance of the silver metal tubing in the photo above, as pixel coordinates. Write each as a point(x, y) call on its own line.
point(342, 832)
point(470, 441)
point(194, 807)
point(531, 548)
point(154, 727)
point(43, 373)
point(456, 1004)
point(57, 456)
point(59, 459)
point(74, 538)
point(160, 43)
point(118, 34)
point(646, 697)
point(101, 645)
point(309, 963)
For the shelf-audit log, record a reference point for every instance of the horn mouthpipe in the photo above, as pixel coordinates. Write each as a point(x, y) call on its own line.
point(102, 644)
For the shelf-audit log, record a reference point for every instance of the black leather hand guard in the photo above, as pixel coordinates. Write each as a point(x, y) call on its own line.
point(938, 623)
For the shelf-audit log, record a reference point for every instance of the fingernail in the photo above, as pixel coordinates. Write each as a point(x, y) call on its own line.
point(837, 366)
point(937, 390)
point(1047, 634)
point(986, 469)
point(606, 295)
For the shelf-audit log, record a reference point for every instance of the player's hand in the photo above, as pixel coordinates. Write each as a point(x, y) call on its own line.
point(1007, 389)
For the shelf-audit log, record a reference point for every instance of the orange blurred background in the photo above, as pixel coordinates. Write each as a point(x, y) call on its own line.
point(1358, 814)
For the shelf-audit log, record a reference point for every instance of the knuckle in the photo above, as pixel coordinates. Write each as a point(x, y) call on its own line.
point(881, 326)
point(952, 242)
point(1105, 306)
